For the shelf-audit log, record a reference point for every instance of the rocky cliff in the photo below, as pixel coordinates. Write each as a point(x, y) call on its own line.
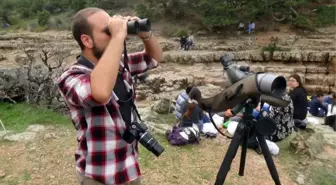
point(311, 56)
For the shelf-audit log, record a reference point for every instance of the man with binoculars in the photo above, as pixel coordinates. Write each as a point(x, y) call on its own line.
point(98, 91)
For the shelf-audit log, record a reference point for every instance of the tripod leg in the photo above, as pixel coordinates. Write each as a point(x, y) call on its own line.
point(268, 159)
point(243, 152)
point(230, 155)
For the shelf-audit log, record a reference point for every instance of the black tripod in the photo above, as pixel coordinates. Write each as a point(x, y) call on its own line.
point(241, 136)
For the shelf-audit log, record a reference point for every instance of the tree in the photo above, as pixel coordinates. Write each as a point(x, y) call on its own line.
point(43, 18)
point(40, 87)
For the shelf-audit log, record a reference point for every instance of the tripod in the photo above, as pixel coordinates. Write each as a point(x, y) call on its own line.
point(241, 136)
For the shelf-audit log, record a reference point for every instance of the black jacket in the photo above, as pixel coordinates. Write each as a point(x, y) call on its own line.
point(300, 102)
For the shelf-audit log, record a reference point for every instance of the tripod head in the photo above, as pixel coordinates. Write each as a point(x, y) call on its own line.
point(264, 126)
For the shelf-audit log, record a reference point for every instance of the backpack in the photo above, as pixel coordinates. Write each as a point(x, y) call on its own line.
point(183, 135)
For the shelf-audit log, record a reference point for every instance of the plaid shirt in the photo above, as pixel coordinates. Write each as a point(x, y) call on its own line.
point(102, 154)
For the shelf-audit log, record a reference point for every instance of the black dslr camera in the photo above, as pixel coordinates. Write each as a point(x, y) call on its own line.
point(134, 27)
point(138, 131)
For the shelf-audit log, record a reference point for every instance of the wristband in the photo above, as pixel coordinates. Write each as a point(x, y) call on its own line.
point(148, 37)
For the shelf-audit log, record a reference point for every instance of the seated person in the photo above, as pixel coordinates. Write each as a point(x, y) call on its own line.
point(316, 107)
point(328, 99)
point(191, 111)
point(193, 115)
point(181, 100)
point(256, 111)
point(331, 115)
point(283, 117)
point(183, 42)
point(298, 95)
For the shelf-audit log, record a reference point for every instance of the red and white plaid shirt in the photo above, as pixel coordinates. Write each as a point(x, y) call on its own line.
point(102, 154)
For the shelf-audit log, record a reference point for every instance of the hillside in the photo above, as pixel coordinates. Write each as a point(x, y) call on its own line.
point(177, 17)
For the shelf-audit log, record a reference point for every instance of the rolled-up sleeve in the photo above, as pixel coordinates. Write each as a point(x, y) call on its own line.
point(76, 89)
point(141, 62)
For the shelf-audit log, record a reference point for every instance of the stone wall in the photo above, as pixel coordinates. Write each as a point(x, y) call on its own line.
point(317, 69)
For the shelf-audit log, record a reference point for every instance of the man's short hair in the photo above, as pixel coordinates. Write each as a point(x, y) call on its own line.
point(80, 24)
point(195, 94)
point(333, 95)
point(319, 94)
point(188, 89)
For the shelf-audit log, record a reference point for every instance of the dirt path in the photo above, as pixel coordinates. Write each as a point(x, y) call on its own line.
point(51, 161)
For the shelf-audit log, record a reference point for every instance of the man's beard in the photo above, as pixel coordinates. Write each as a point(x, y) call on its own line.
point(98, 53)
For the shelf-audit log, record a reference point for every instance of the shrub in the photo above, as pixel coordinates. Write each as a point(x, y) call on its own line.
point(303, 23)
point(43, 18)
point(142, 11)
point(325, 15)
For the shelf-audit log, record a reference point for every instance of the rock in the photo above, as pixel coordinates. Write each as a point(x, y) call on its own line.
point(141, 95)
point(2, 174)
point(35, 128)
point(50, 136)
point(308, 143)
point(2, 58)
point(329, 135)
point(285, 143)
point(162, 106)
point(315, 144)
point(21, 59)
point(147, 114)
point(3, 133)
point(24, 136)
point(300, 179)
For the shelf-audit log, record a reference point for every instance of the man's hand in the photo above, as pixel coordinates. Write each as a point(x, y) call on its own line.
point(118, 26)
point(152, 46)
point(142, 35)
point(104, 75)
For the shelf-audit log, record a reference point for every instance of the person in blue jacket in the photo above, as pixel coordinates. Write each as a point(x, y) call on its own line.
point(329, 99)
point(316, 106)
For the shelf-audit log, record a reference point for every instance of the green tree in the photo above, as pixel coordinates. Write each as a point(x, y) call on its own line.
point(43, 17)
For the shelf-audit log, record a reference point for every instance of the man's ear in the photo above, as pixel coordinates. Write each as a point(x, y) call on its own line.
point(87, 41)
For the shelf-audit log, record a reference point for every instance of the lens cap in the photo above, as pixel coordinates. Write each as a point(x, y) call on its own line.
point(265, 126)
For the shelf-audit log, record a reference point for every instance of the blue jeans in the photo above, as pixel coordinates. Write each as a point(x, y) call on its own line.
point(320, 113)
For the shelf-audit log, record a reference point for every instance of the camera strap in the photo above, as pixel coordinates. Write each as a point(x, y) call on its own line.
point(132, 89)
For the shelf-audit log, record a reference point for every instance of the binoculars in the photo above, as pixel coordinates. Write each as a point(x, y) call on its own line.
point(134, 27)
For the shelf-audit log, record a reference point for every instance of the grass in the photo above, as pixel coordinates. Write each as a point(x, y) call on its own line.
point(18, 117)
point(322, 175)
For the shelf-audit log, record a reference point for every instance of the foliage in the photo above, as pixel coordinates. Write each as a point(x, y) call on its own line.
point(143, 11)
point(175, 31)
point(41, 89)
point(272, 46)
point(43, 17)
point(303, 23)
point(210, 14)
point(326, 15)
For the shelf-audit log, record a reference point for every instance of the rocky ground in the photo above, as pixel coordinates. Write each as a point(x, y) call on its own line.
point(312, 56)
point(44, 155)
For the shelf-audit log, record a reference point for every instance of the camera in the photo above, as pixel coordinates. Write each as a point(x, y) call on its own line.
point(245, 85)
point(138, 131)
point(134, 27)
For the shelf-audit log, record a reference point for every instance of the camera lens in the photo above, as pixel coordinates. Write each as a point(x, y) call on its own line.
point(244, 68)
point(151, 144)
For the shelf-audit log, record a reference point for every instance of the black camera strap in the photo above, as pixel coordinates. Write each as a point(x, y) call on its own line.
point(132, 90)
